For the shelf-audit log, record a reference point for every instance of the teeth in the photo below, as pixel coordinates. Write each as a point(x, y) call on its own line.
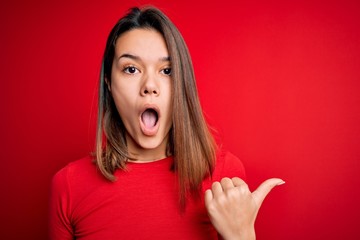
point(149, 118)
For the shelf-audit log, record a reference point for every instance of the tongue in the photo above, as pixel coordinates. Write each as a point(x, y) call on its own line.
point(149, 118)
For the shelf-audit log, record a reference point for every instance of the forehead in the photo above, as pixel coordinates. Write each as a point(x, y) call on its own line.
point(145, 43)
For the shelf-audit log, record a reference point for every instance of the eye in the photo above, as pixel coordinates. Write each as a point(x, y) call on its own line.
point(130, 70)
point(166, 71)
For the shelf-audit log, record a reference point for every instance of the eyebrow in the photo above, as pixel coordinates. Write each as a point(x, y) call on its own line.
point(133, 57)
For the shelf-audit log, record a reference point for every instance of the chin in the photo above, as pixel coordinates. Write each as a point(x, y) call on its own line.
point(141, 144)
point(152, 144)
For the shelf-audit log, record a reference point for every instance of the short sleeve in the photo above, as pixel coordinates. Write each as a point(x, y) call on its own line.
point(233, 166)
point(228, 165)
point(59, 212)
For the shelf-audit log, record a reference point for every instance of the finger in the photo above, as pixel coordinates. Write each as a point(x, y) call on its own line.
point(241, 185)
point(208, 196)
point(226, 183)
point(262, 191)
point(216, 189)
point(238, 181)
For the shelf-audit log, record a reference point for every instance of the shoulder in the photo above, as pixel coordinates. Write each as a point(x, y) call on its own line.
point(76, 168)
point(228, 165)
point(77, 174)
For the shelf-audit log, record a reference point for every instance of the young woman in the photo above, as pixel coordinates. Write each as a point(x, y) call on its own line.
point(157, 173)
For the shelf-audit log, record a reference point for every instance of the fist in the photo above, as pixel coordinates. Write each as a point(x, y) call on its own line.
point(233, 208)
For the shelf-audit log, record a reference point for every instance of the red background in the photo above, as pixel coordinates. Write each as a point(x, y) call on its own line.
point(279, 80)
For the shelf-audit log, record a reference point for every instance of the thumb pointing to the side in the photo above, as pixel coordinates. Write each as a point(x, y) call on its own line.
point(262, 191)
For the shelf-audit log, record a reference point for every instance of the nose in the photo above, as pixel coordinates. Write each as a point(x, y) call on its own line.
point(149, 86)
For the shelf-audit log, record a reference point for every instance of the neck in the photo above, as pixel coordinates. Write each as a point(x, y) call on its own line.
point(142, 155)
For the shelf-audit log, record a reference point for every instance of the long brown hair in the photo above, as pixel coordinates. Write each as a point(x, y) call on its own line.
point(190, 142)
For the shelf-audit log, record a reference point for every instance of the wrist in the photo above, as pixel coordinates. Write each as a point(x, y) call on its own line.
point(248, 234)
point(245, 234)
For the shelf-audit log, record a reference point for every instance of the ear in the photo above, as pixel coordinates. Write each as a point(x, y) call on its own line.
point(108, 83)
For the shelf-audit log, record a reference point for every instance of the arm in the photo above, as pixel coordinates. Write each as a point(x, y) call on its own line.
point(59, 222)
point(232, 208)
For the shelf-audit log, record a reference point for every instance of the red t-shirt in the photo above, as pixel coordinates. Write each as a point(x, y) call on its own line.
point(142, 203)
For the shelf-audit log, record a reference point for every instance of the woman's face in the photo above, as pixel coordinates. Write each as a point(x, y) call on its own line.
point(141, 87)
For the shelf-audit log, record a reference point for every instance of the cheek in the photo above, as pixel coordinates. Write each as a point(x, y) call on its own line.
point(169, 103)
point(124, 101)
point(124, 91)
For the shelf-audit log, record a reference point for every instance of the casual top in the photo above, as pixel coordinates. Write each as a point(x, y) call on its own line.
point(143, 203)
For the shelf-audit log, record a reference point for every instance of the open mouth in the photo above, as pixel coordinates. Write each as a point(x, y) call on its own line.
point(149, 117)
